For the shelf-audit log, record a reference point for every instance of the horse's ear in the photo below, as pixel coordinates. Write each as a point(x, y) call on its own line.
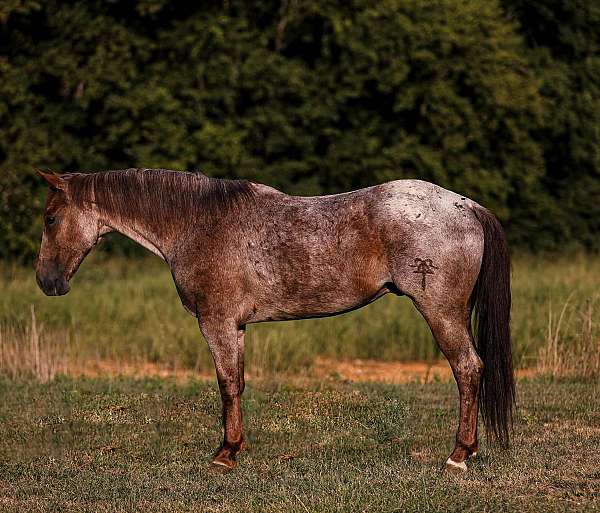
point(54, 181)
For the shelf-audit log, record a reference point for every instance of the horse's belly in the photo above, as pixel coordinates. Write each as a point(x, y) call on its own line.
point(322, 302)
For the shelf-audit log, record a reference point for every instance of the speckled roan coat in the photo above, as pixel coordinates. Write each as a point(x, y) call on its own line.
point(242, 252)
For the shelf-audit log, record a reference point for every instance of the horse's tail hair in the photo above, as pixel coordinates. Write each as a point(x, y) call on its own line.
point(491, 300)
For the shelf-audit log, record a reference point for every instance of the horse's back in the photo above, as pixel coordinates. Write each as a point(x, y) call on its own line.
point(414, 200)
point(406, 216)
point(415, 208)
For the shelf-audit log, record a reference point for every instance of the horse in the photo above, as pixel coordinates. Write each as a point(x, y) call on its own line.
point(243, 252)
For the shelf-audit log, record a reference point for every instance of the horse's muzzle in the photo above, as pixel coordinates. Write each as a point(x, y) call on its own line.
point(53, 285)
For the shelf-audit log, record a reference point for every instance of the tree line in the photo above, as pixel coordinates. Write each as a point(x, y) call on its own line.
point(496, 99)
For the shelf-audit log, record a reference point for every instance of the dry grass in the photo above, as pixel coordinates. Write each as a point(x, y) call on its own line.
point(26, 352)
point(127, 313)
point(579, 353)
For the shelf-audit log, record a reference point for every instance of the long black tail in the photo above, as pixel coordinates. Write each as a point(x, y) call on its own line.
point(492, 309)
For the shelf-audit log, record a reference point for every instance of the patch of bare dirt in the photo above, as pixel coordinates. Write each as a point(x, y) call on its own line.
point(386, 372)
point(114, 368)
point(323, 368)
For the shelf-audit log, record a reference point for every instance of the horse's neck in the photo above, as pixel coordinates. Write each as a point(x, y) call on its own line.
point(138, 232)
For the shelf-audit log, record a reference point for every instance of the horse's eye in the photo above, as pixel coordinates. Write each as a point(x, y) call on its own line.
point(50, 220)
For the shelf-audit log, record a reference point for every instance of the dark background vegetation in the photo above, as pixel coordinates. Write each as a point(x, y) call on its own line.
point(496, 99)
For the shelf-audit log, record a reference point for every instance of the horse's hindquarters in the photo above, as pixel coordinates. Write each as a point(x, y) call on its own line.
point(433, 240)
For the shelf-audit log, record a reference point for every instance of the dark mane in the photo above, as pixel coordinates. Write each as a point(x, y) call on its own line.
point(157, 195)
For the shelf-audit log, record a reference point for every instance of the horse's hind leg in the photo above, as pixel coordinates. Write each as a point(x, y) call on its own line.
point(451, 328)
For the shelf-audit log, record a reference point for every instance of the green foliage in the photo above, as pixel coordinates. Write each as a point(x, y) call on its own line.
point(564, 37)
point(311, 97)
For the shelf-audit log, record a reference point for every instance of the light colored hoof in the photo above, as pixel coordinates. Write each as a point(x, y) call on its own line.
point(473, 455)
point(221, 465)
point(453, 466)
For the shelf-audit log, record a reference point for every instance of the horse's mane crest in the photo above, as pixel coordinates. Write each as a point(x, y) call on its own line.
point(158, 194)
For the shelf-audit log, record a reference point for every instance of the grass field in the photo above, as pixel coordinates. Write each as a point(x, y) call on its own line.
point(125, 445)
point(123, 309)
point(121, 444)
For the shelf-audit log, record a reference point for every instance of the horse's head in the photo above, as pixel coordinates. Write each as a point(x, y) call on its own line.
point(70, 232)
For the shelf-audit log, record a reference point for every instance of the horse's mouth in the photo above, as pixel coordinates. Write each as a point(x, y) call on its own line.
point(53, 287)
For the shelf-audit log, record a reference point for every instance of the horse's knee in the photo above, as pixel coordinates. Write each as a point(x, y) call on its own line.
point(229, 388)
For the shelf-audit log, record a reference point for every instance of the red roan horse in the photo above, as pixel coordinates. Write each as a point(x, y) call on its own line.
point(243, 252)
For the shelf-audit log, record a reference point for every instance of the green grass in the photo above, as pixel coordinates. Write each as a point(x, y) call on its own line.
point(124, 445)
point(129, 309)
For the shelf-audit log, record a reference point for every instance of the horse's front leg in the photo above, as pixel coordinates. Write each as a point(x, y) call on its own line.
point(225, 341)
